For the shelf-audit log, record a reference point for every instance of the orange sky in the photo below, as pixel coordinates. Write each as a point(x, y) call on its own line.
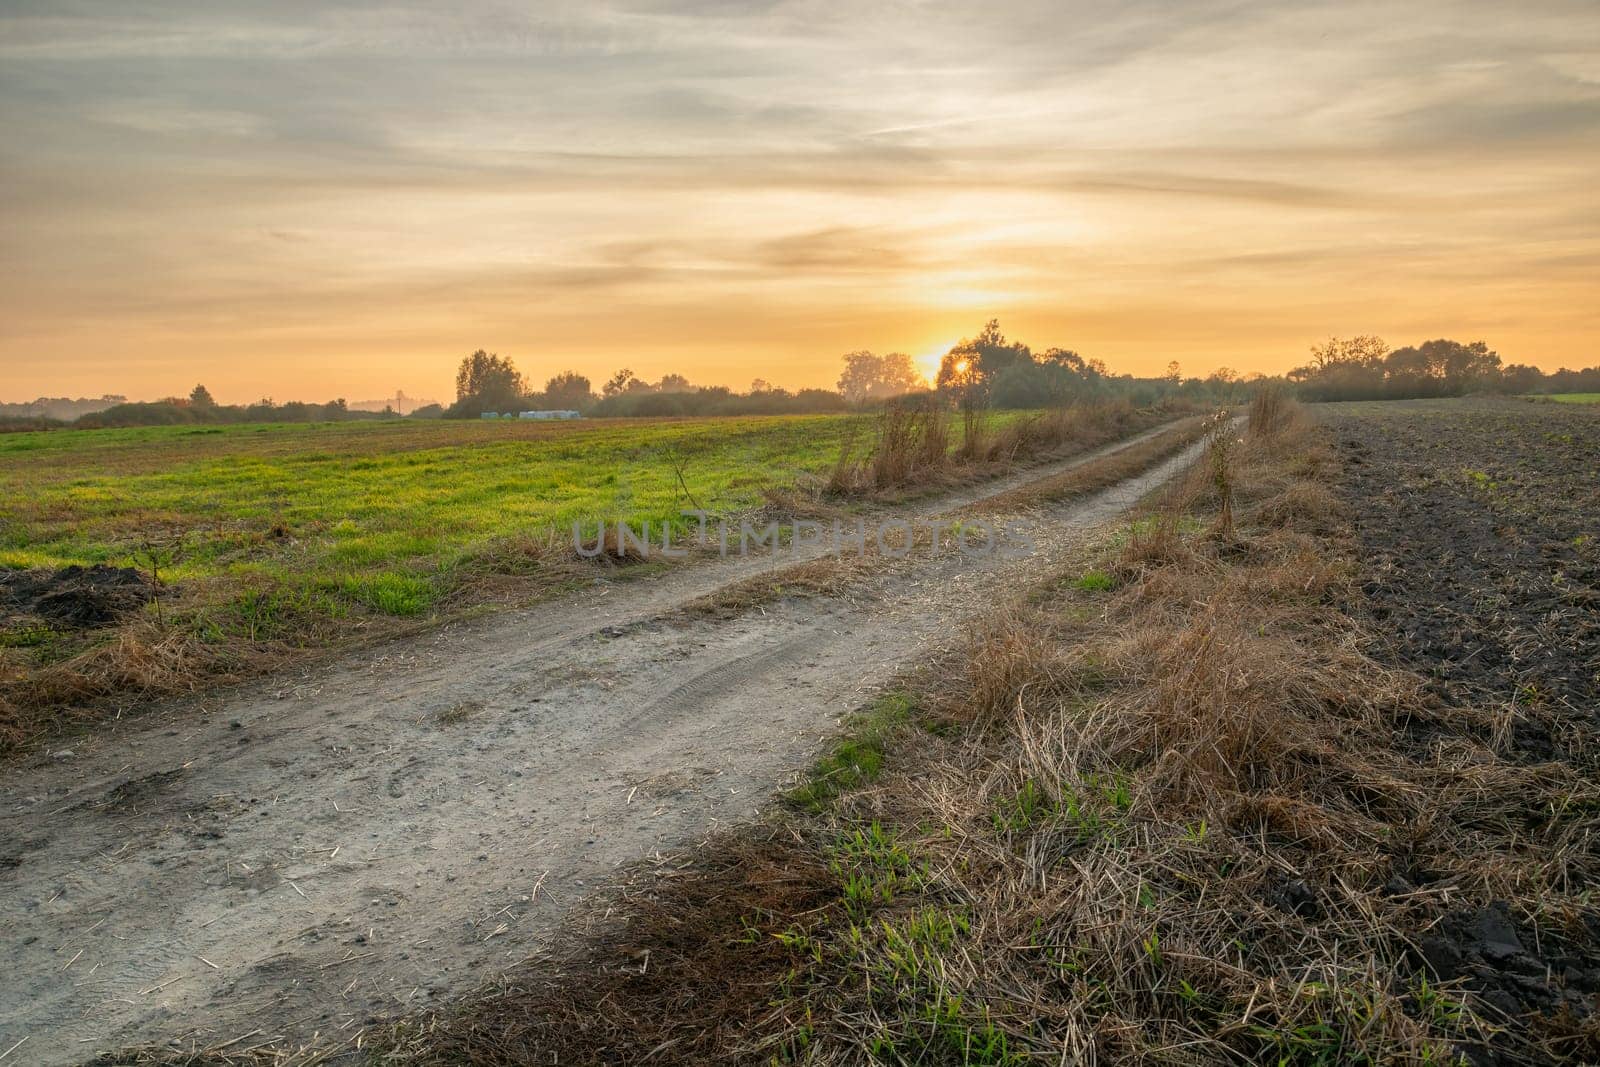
point(300, 200)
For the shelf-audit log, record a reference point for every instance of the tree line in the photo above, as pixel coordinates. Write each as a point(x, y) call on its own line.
point(486, 382)
point(986, 370)
point(59, 408)
point(1366, 368)
point(199, 408)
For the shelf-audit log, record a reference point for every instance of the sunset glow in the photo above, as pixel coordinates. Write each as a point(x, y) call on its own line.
point(293, 200)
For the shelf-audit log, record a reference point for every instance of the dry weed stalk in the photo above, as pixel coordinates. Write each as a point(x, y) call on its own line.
point(1222, 441)
point(912, 445)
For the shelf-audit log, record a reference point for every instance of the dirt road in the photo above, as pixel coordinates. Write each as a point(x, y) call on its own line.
point(294, 858)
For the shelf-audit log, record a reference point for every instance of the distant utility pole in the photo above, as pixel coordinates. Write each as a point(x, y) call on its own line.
point(400, 399)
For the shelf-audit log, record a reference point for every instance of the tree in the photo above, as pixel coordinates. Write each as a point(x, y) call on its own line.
point(1056, 376)
point(1464, 367)
point(488, 380)
point(871, 377)
point(1407, 369)
point(860, 375)
point(1352, 368)
point(1068, 360)
point(674, 383)
point(1521, 378)
point(900, 376)
point(618, 383)
point(1363, 368)
point(200, 397)
point(568, 391)
point(1363, 351)
point(969, 366)
point(1441, 367)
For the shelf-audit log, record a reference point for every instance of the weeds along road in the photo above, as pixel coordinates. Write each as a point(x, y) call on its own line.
point(297, 857)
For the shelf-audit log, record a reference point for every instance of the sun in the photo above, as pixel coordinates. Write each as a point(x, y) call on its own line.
point(928, 362)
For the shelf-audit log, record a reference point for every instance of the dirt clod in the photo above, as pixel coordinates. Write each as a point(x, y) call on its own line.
point(74, 597)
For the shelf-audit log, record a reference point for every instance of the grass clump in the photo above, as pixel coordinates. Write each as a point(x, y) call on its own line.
point(859, 757)
point(392, 594)
point(1095, 581)
point(1271, 413)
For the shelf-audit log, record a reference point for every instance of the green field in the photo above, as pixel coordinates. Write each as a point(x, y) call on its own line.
point(269, 540)
point(377, 514)
point(1573, 398)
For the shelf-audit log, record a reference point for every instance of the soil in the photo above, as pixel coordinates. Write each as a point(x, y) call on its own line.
point(1482, 521)
point(1496, 955)
point(1480, 526)
point(74, 597)
point(296, 858)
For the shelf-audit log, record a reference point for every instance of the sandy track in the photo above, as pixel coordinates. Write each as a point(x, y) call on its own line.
point(305, 854)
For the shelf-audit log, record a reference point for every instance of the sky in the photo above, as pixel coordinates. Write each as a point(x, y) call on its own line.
point(307, 200)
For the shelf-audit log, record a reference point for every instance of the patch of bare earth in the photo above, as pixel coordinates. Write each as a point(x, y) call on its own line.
point(1477, 520)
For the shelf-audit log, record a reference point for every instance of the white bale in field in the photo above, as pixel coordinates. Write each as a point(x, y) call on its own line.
point(549, 415)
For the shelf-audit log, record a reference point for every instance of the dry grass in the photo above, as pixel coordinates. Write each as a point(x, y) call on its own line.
point(1271, 414)
point(1075, 427)
point(912, 444)
point(829, 576)
point(143, 660)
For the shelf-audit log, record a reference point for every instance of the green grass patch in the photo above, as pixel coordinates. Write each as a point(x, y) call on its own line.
point(378, 515)
point(1095, 582)
point(26, 637)
point(1144, 526)
point(858, 758)
point(1569, 398)
point(391, 594)
point(1094, 807)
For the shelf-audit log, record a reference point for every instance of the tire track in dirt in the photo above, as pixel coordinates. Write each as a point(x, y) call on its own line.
point(689, 696)
point(352, 841)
